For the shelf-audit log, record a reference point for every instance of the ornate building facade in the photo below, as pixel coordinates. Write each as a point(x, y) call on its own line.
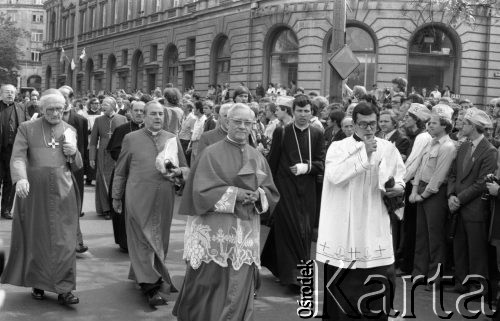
point(145, 44)
point(28, 15)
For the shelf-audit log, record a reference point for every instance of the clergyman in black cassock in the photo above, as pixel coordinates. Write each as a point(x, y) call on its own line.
point(290, 237)
point(114, 148)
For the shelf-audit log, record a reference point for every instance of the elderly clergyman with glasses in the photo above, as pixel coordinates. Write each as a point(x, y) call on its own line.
point(228, 188)
point(42, 252)
point(359, 173)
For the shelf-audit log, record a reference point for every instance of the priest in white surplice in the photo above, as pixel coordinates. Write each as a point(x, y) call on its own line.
point(354, 224)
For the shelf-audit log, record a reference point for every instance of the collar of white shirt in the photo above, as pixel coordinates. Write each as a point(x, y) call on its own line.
point(389, 135)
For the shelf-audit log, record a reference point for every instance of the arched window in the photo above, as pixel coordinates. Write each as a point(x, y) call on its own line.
point(34, 81)
point(48, 75)
point(221, 61)
point(89, 71)
point(433, 58)
point(137, 70)
point(170, 65)
point(363, 46)
point(110, 68)
point(283, 57)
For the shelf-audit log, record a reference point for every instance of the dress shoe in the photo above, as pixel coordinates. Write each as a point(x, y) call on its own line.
point(67, 298)
point(38, 294)
point(107, 215)
point(81, 214)
point(81, 248)
point(6, 215)
point(155, 299)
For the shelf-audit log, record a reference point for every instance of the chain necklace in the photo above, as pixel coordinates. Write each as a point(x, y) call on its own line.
point(298, 146)
point(53, 143)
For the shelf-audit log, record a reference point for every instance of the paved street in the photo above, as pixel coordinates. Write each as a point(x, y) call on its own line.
point(106, 294)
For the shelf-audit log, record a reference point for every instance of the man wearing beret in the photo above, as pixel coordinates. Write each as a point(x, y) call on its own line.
point(476, 159)
point(429, 192)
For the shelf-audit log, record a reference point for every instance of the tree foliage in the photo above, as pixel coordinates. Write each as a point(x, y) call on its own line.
point(458, 11)
point(9, 48)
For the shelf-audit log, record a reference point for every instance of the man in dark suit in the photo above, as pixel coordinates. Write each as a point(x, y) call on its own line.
point(388, 124)
point(81, 125)
point(219, 133)
point(114, 148)
point(476, 159)
point(11, 116)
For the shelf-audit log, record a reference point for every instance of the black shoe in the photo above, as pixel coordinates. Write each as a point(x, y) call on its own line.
point(81, 248)
point(67, 299)
point(155, 299)
point(88, 183)
point(106, 215)
point(81, 214)
point(38, 294)
point(6, 215)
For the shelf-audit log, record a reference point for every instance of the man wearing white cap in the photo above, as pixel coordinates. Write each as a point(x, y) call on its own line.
point(414, 122)
point(42, 252)
point(475, 160)
point(429, 192)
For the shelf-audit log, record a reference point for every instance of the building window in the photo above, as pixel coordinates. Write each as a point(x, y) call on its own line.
point(221, 61)
point(100, 60)
point(102, 16)
point(36, 36)
point(92, 19)
point(433, 59)
point(170, 66)
point(124, 57)
point(37, 18)
point(82, 22)
point(63, 27)
point(128, 10)
point(72, 25)
point(153, 53)
point(141, 10)
point(156, 6)
point(283, 58)
point(363, 46)
point(12, 15)
point(190, 47)
point(35, 55)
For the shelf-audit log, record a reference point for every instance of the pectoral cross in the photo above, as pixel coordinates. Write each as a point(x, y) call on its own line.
point(53, 144)
point(110, 133)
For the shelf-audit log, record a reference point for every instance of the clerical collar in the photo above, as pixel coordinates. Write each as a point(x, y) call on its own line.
point(232, 142)
point(153, 133)
point(356, 138)
point(112, 115)
point(138, 124)
point(301, 129)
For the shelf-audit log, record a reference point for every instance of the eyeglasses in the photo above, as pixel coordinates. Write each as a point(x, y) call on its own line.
point(52, 111)
point(240, 122)
point(365, 125)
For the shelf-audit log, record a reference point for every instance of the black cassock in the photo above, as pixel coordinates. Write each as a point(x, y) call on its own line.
point(290, 238)
point(114, 148)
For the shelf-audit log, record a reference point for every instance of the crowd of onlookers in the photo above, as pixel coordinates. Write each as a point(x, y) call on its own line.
point(407, 112)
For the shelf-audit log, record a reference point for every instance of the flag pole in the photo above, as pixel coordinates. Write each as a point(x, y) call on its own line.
point(76, 31)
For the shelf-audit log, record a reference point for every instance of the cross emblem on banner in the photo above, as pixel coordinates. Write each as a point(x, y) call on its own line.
point(53, 144)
